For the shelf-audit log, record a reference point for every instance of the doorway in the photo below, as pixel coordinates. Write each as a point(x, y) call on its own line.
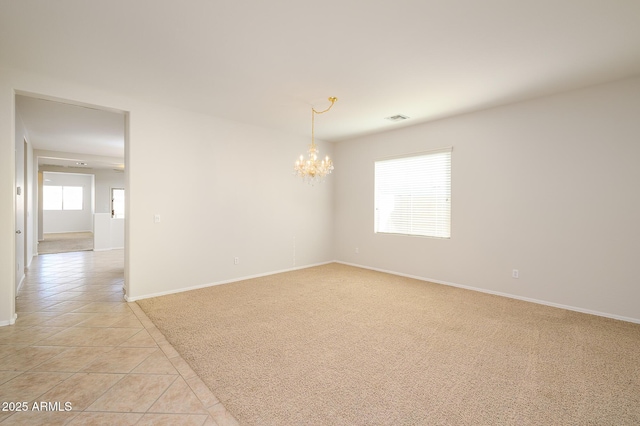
point(63, 136)
point(67, 212)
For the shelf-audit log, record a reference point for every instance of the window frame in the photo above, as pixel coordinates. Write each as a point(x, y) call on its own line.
point(438, 195)
point(62, 198)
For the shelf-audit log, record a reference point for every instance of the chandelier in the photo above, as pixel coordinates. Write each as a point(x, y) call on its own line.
point(312, 169)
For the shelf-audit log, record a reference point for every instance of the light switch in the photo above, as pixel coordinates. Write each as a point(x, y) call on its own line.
point(156, 218)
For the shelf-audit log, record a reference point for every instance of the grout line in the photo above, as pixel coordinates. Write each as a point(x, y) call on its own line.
point(160, 396)
point(46, 281)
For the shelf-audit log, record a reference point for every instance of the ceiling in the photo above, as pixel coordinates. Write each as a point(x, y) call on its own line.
point(95, 137)
point(267, 63)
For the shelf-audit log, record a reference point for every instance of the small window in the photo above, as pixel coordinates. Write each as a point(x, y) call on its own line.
point(62, 197)
point(117, 203)
point(413, 195)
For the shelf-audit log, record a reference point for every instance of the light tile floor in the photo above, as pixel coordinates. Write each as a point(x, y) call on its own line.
point(76, 340)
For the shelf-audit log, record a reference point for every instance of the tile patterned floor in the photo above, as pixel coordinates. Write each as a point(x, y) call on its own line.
point(76, 340)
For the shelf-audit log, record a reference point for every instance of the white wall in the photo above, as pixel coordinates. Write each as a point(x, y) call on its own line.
point(20, 222)
point(116, 233)
point(223, 189)
point(32, 203)
point(57, 221)
point(7, 206)
point(549, 187)
point(108, 233)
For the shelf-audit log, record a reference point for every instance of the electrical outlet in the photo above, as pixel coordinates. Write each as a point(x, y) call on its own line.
point(515, 274)
point(357, 250)
point(156, 218)
point(236, 260)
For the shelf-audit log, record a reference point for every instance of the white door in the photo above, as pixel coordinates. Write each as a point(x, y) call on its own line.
point(20, 212)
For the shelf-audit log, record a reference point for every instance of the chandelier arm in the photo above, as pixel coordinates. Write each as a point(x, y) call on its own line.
point(332, 99)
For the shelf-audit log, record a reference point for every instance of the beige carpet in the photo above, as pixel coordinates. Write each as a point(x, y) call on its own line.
point(338, 345)
point(66, 242)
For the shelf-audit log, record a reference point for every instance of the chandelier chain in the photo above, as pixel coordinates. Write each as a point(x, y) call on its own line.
point(333, 100)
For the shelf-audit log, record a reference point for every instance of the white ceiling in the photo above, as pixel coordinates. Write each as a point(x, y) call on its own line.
point(94, 136)
point(63, 127)
point(268, 62)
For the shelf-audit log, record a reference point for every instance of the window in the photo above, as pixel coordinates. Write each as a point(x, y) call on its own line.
point(62, 197)
point(52, 198)
point(117, 203)
point(413, 195)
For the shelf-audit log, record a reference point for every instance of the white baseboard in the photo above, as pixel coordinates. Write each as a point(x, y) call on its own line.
point(67, 232)
point(10, 322)
point(497, 293)
point(108, 249)
point(233, 280)
point(481, 290)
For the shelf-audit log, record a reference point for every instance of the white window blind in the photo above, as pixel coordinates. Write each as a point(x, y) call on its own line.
point(413, 195)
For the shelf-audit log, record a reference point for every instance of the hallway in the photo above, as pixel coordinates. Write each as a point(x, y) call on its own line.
point(94, 358)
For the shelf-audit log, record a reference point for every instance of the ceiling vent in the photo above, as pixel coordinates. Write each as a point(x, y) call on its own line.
point(397, 117)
